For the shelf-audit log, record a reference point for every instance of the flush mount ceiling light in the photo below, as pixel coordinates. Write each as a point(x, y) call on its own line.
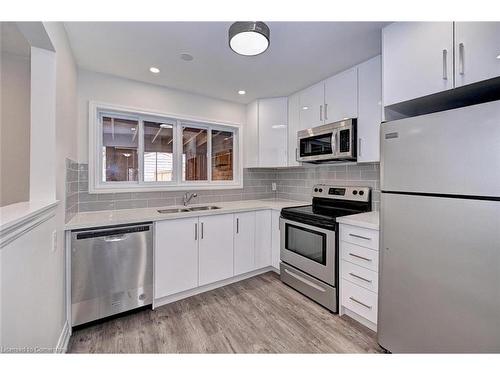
point(187, 57)
point(154, 70)
point(242, 92)
point(249, 38)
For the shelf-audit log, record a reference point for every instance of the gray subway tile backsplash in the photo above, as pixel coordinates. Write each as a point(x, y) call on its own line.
point(292, 183)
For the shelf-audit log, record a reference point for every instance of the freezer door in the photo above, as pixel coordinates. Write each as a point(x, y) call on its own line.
point(439, 275)
point(450, 152)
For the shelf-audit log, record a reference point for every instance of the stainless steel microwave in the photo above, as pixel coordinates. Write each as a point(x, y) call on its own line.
point(335, 141)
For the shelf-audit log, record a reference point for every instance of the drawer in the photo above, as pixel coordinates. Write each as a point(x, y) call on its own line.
point(362, 256)
point(361, 301)
point(360, 276)
point(359, 236)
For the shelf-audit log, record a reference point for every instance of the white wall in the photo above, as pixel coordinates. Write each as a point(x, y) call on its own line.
point(119, 91)
point(33, 274)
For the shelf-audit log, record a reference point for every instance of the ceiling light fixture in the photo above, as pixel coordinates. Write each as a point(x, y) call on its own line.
point(249, 38)
point(154, 70)
point(498, 57)
point(305, 108)
point(164, 126)
point(242, 92)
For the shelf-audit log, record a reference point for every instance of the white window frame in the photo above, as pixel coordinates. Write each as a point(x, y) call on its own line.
point(96, 185)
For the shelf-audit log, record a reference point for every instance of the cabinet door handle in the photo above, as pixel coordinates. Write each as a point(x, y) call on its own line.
point(195, 231)
point(202, 230)
point(237, 225)
point(359, 146)
point(358, 236)
point(359, 277)
point(361, 303)
point(321, 112)
point(461, 68)
point(360, 257)
point(296, 154)
point(445, 64)
point(326, 111)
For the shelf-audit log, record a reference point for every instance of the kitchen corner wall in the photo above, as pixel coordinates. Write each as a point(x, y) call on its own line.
point(296, 183)
point(292, 183)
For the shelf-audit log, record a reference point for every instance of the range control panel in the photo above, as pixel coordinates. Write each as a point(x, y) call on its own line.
point(351, 193)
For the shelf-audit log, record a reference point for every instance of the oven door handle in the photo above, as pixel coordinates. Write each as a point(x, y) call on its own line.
point(305, 281)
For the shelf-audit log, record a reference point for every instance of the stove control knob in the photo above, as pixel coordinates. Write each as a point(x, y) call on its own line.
point(320, 190)
point(361, 192)
point(315, 190)
point(355, 192)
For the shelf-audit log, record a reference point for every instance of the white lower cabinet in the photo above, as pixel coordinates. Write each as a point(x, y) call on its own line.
point(244, 242)
point(193, 252)
point(176, 256)
point(215, 248)
point(275, 239)
point(263, 250)
point(359, 274)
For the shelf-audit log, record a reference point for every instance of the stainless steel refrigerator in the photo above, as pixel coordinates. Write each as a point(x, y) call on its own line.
point(440, 232)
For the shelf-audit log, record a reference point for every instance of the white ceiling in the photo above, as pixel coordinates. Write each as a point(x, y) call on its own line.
point(300, 54)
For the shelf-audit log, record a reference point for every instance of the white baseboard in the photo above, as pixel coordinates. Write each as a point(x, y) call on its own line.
point(62, 343)
point(205, 288)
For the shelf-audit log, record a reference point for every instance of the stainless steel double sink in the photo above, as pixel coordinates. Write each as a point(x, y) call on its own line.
point(187, 209)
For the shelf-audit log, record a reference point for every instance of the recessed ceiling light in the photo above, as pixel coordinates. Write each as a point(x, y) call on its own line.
point(154, 70)
point(242, 92)
point(164, 126)
point(280, 126)
point(249, 38)
point(186, 57)
point(498, 57)
point(305, 108)
point(132, 129)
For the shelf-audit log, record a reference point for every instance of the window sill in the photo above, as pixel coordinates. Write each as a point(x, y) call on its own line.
point(145, 189)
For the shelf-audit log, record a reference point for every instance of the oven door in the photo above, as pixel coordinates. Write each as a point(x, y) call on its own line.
point(317, 147)
point(308, 248)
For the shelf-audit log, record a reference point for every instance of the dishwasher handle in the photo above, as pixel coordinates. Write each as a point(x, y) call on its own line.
point(112, 234)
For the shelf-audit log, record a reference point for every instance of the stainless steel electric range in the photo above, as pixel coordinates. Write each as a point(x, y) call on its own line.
point(309, 240)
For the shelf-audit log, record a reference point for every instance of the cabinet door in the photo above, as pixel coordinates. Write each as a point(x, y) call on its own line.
point(341, 96)
point(263, 239)
point(275, 239)
point(293, 127)
point(251, 136)
point(311, 106)
point(215, 248)
point(176, 256)
point(244, 242)
point(477, 51)
point(417, 60)
point(273, 119)
point(369, 110)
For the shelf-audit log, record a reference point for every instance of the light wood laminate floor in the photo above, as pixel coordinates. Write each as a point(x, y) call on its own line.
point(257, 315)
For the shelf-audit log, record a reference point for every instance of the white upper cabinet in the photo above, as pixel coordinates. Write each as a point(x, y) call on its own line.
point(251, 136)
point(417, 60)
point(215, 248)
point(312, 102)
point(477, 51)
point(244, 242)
point(273, 120)
point(293, 128)
point(369, 110)
point(266, 133)
point(341, 96)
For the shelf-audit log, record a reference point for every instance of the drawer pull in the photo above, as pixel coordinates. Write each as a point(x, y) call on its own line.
point(359, 277)
point(360, 257)
point(358, 236)
point(305, 281)
point(361, 303)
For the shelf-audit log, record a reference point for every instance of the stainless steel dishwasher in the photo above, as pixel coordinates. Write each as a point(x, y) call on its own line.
point(111, 271)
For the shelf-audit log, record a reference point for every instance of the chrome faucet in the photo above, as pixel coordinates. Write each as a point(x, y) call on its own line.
point(187, 197)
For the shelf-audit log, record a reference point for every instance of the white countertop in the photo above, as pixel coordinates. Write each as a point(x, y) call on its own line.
point(137, 215)
point(368, 220)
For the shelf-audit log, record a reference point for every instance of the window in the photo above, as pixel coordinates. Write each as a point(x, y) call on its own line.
point(132, 150)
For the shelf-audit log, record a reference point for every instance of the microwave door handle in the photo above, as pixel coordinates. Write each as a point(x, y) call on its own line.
point(335, 142)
